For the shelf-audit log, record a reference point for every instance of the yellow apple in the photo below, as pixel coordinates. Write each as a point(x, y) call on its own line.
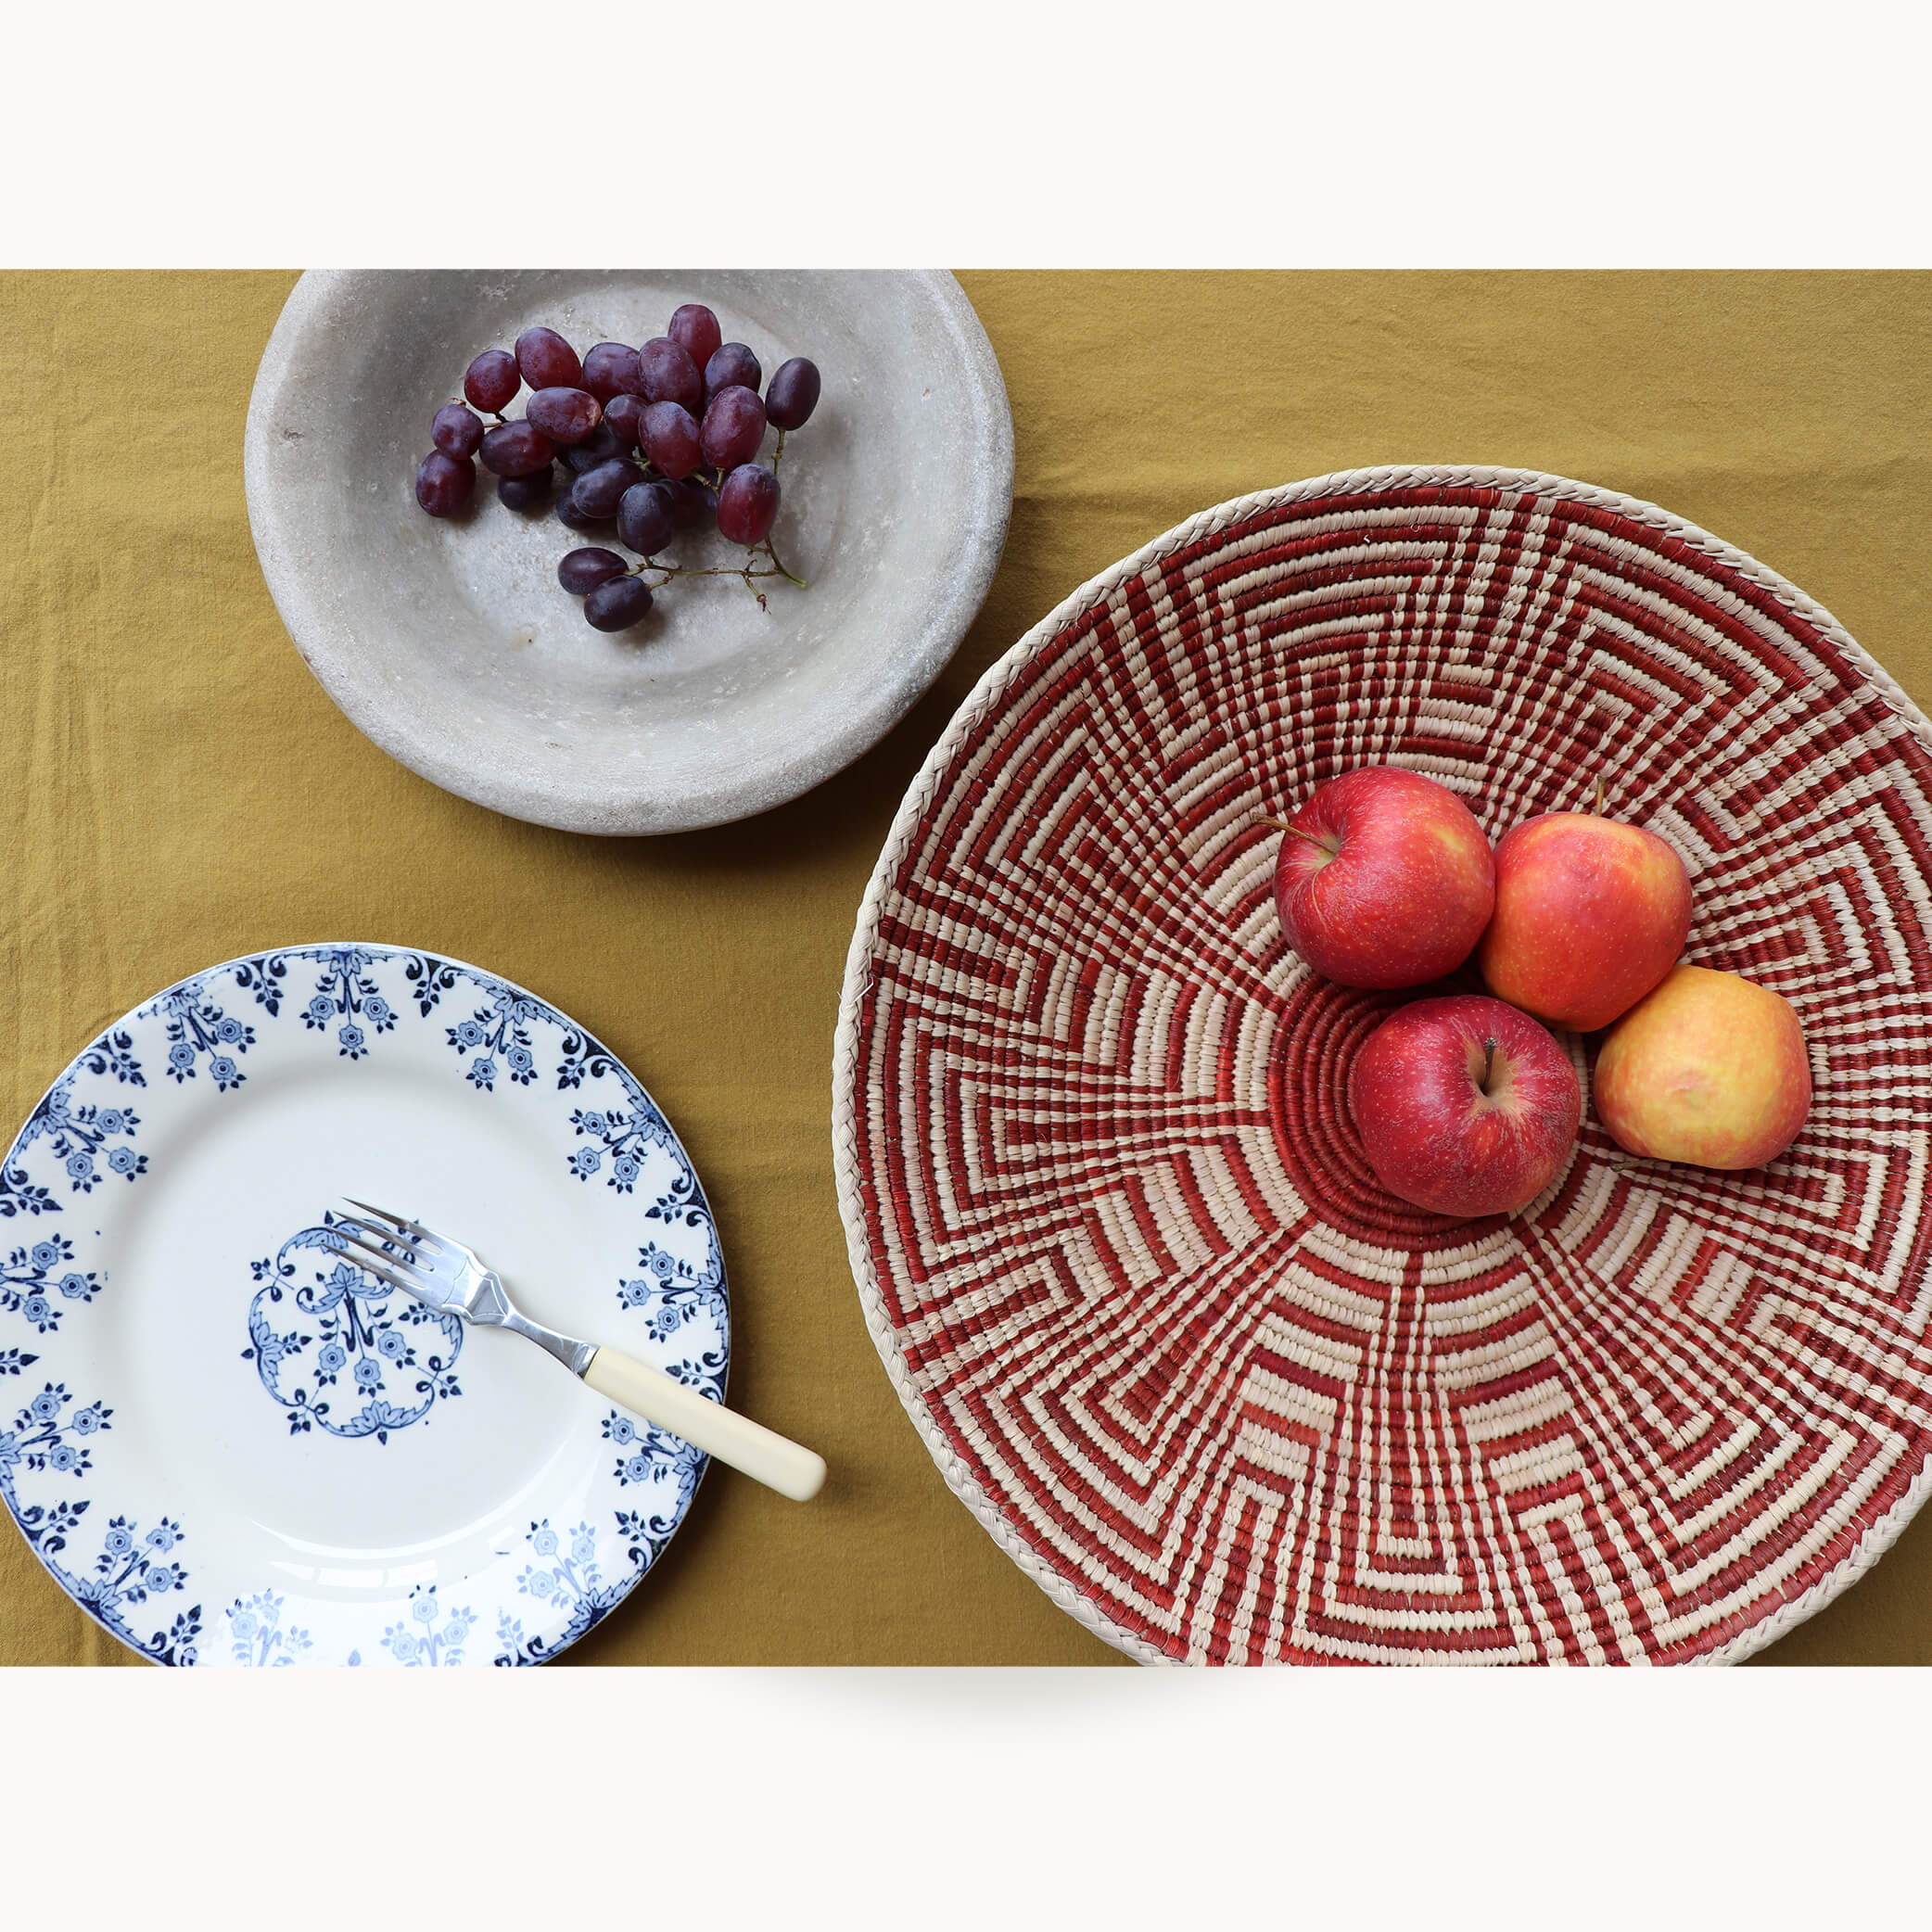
point(1710, 1069)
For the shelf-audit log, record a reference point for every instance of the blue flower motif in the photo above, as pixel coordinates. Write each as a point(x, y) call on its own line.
point(86, 1420)
point(352, 1039)
point(467, 1034)
point(585, 1161)
point(76, 1288)
point(162, 1537)
point(403, 1644)
point(319, 1011)
point(634, 1294)
point(63, 1456)
point(584, 1550)
point(638, 1469)
point(43, 1254)
point(423, 1606)
point(621, 1429)
point(661, 1265)
point(538, 1582)
point(47, 1403)
point(228, 1031)
point(241, 1625)
point(625, 1170)
point(122, 1160)
point(159, 1578)
point(110, 1120)
point(119, 1543)
point(545, 1541)
point(483, 1072)
point(80, 1165)
point(344, 1322)
point(223, 1070)
point(376, 1010)
point(521, 1059)
point(37, 1309)
point(593, 1124)
point(181, 1055)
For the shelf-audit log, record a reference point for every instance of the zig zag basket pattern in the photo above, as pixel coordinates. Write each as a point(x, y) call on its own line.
point(1216, 1393)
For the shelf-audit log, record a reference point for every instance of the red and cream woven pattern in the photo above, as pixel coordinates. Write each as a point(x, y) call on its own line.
point(1215, 1393)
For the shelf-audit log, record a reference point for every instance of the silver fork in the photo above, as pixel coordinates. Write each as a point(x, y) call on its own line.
point(444, 1274)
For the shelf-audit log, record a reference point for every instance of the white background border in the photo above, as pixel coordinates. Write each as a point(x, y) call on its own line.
point(1048, 135)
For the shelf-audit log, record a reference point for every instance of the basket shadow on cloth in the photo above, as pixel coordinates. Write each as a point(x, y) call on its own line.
point(1212, 1390)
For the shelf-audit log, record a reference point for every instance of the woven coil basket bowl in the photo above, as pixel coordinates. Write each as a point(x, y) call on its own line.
point(1221, 1397)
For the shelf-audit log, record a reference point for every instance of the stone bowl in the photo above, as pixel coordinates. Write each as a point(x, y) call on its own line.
point(450, 642)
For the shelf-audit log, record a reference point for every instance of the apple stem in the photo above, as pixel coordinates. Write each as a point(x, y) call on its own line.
point(1600, 797)
point(1488, 1061)
point(1282, 825)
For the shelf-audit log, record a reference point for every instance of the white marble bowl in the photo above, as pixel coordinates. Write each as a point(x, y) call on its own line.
point(450, 644)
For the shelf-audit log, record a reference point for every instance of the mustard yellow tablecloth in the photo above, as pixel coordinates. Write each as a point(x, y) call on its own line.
point(178, 790)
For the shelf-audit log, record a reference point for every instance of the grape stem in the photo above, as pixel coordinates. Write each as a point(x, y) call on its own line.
point(773, 553)
point(671, 570)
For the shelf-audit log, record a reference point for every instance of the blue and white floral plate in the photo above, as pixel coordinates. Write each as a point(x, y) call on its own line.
point(232, 1446)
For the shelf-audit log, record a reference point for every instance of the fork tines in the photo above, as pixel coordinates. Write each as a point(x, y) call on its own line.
point(380, 1221)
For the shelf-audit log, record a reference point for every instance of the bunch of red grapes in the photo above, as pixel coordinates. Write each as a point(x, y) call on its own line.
point(652, 440)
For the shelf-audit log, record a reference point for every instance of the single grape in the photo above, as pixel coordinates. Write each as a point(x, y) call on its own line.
point(694, 505)
point(574, 518)
point(603, 443)
point(669, 374)
point(733, 365)
point(445, 483)
point(592, 454)
point(747, 504)
point(582, 570)
point(733, 427)
point(515, 449)
point(547, 362)
point(672, 438)
point(793, 394)
point(646, 520)
point(618, 605)
point(491, 381)
point(610, 370)
point(624, 417)
point(599, 492)
point(529, 492)
point(563, 415)
point(697, 327)
point(455, 431)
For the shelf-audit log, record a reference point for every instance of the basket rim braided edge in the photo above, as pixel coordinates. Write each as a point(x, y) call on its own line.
point(1877, 1537)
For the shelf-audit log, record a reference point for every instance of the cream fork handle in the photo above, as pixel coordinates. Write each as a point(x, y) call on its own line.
point(789, 1467)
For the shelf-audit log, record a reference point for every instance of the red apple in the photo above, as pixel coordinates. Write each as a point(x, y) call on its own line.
point(1465, 1106)
point(1711, 1068)
point(1384, 879)
point(1590, 915)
